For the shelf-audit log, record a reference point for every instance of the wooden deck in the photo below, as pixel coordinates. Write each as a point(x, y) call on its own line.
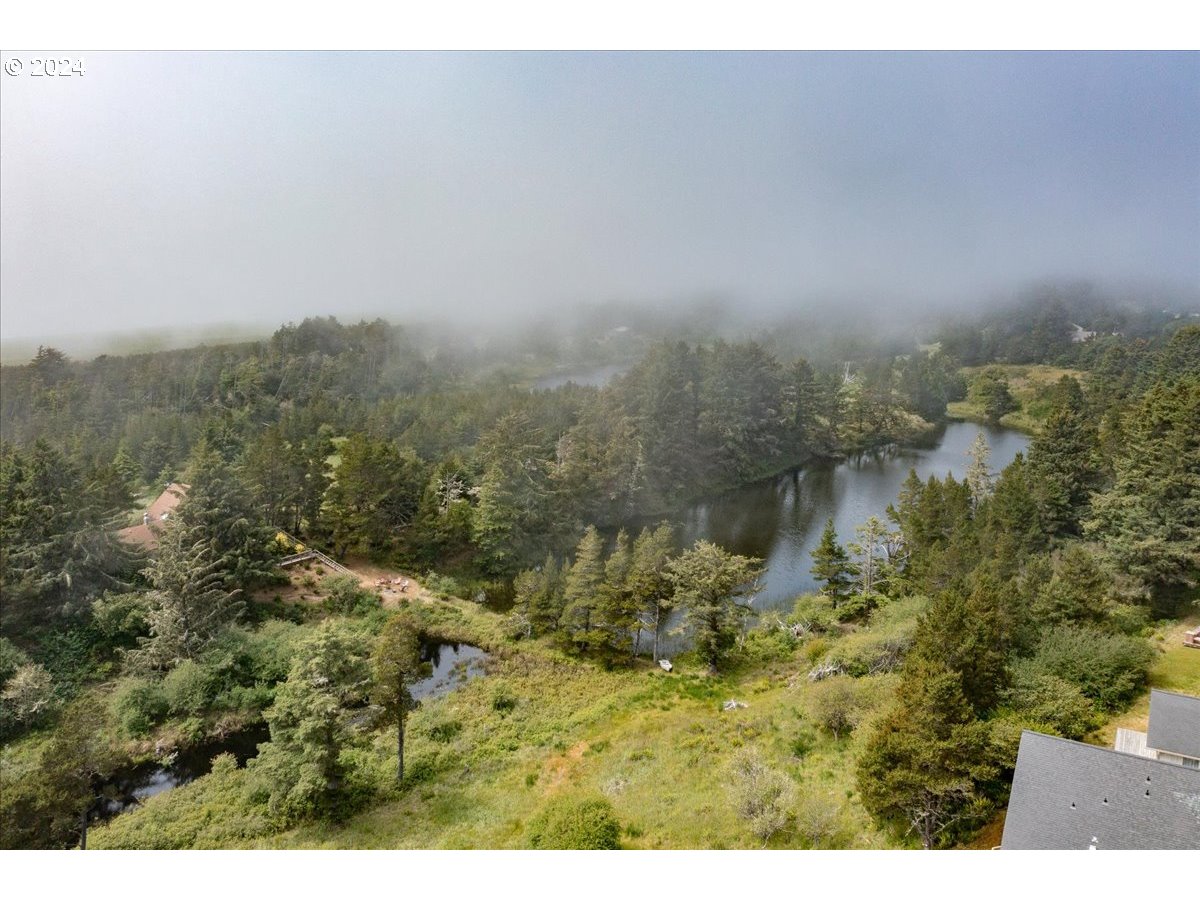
point(1132, 742)
point(320, 557)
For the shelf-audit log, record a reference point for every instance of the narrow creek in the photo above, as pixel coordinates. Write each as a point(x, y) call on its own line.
point(454, 664)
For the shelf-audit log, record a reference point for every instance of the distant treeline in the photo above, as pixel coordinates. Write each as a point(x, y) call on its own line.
point(1059, 326)
point(353, 433)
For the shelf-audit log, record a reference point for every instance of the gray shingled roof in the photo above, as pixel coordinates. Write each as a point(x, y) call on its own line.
point(1174, 723)
point(1070, 796)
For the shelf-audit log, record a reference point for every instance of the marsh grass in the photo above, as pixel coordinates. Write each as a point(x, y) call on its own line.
point(1030, 386)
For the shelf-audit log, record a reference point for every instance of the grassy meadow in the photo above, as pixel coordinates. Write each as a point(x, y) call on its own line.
point(1030, 386)
point(484, 759)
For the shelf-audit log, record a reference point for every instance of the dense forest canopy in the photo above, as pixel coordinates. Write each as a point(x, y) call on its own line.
point(1006, 600)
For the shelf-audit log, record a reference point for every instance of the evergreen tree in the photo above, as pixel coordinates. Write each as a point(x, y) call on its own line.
point(1150, 520)
point(990, 391)
point(130, 471)
point(740, 421)
point(979, 477)
point(58, 547)
point(832, 566)
point(1012, 528)
point(651, 588)
point(617, 610)
point(599, 464)
point(275, 473)
point(74, 766)
point(873, 567)
point(802, 405)
point(583, 583)
point(515, 508)
point(971, 634)
point(664, 388)
point(221, 510)
point(374, 496)
point(922, 767)
point(538, 598)
point(444, 516)
point(905, 514)
point(1180, 358)
point(301, 769)
point(396, 666)
point(709, 584)
point(1075, 593)
point(189, 602)
point(1062, 462)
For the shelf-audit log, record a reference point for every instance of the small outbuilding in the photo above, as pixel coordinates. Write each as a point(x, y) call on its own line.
point(145, 535)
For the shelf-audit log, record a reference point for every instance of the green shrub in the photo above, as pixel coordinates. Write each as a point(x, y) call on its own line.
point(193, 730)
point(1004, 736)
point(139, 704)
point(344, 595)
point(816, 649)
point(837, 704)
point(820, 821)
point(213, 811)
point(771, 640)
point(1128, 618)
point(28, 695)
point(445, 731)
point(241, 658)
point(856, 607)
point(567, 823)
point(71, 657)
point(802, 742)
point(763, 796)
point(815, 612)
point(442, 586)
point(11, 659)
point(989, 391)
point(1109, 668)
point(188, 688)
point(122, 618)
point(1053, 703)
point(503, 699)
point(245, 698)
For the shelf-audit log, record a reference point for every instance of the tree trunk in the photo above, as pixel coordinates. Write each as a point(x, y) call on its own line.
point(83, 825)
point(657, 619)
point(400, 750)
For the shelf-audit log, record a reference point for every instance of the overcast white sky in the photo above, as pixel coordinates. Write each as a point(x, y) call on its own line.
point(166, 189)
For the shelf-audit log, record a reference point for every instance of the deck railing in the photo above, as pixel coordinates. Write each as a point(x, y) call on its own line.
point(310, 553)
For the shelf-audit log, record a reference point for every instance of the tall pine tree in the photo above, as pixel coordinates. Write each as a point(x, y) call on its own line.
point(832, 566)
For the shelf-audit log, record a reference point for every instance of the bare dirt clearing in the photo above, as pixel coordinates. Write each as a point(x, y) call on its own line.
point(304, 582)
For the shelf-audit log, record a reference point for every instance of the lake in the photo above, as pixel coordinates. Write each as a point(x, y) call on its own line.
point(780, 519)
point(598, 376)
